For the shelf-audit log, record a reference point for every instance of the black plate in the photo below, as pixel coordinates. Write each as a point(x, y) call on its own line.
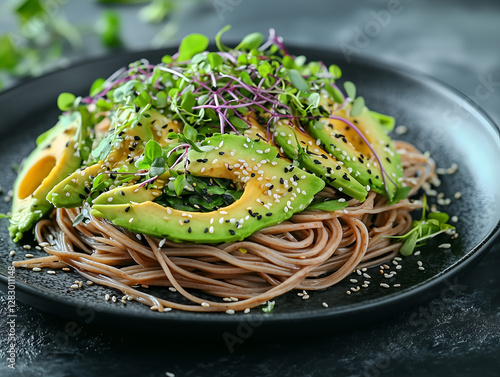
point(439, 119)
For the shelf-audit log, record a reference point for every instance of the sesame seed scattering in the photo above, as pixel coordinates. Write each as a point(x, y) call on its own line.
point(242, 174)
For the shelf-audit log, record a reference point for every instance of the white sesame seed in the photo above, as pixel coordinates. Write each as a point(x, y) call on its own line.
point(51, 272)
point(416, 253)
point(246, 311)
point(421, 268)
point(205, 304)
point(384, 285)
point(419, 263)
point(107, 297)
point(172, 289)
point(12, 253)
point(397, 285)
point(367, 276)
point(36, 269)
point(353, 281)
point(325, 305)
point(445, 246)
point(229, 311)
point(75, 286)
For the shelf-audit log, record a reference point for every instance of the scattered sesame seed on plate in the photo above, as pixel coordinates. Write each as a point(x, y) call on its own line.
point(246, 311)
point(384, 285)
point(444, 246)
point(36, 269)
point(229, 311)
point(51, 272)
point(325, 304)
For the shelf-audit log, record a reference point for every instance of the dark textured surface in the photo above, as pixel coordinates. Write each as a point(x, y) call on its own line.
point(452, 335)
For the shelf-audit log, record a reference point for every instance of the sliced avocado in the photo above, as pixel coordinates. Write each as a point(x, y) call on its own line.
point(54, 158)
point(317, 161)
point(273, 191)
point(70, 192)
point(342, 141)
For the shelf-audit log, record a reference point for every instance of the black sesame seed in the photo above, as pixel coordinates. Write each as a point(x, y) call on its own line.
point(81, 196)
point(269, 214)
point(290, 189)
point(338, 167)
point(369, 171)
point(186, 221)
point(388, 159)
point(189, 230)
point(370, 181)
point(206, 230)
point(137, 137)
point(127, 209)
point(232, 232)
point(221, 153)
point(122, 192)
point(346, 177)
point(259, 217)
point(317, 162)
point(252, 175)
point(282, 181)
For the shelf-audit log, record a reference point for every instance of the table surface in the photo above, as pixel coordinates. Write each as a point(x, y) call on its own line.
point(455, 41)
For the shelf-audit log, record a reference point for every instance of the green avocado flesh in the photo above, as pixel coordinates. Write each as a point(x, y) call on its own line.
point(340, 140)
point(54, 158)
point(316, 160)
point(273, 191)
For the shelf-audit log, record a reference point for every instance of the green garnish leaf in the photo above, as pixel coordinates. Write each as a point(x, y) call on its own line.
point(84, 216)
point(218, 36)
point(409, 244)
point(143, 99)
point(191, 45)
point(357, 106)
point(335, 71)
point(350, 89)
point(298, 81)
point(152, 151)
point(215, 60)
point(427, 227)
point(65, 101)
point(158, 167)
point(334, 93)
point(179, 183)
point(400, 194)
point(329, 205)
point(96, 87)
point(238, 123)
point(313, 100)
point(385, 121)
point(190, 132)
point(269, 307)
point(250, 42)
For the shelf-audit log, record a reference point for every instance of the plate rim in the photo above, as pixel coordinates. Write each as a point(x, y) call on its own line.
point(465, 262)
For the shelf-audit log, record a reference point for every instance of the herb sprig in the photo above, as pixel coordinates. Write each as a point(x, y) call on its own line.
point(429, 225)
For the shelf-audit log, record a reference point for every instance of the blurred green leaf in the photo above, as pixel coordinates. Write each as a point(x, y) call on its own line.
point(110, 24)
point(156, 11)
point(9, 55)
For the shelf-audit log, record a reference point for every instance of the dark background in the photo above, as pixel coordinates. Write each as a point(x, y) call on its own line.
point(457, 42)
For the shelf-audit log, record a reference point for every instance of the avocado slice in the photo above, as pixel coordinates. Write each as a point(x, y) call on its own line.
point(70, 192)
point(52, 160)
point(339, 139)
point(317, 161)
point(273, 191)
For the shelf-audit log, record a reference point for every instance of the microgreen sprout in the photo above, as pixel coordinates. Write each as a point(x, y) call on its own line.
point(427, 227)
